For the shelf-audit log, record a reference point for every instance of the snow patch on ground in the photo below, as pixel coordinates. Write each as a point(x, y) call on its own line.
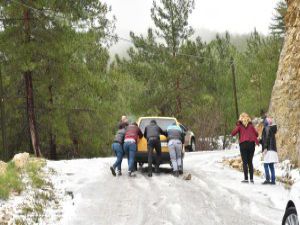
point(284, 169)
point(32, 206)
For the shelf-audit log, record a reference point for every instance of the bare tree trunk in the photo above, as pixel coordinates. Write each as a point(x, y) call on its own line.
point(234, 88)
point(52, 137)
point(29, 94)
point(178, 98)
point(3, 128)
point(225, 138)
point(52, 143)
point(31, 114)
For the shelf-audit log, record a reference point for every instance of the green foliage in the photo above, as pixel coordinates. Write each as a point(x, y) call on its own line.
point(10, 181)
point(79, 96)
point(258, 65)
point(171, 19)
point(67, 55)
point(278, 25)
point(205, 74)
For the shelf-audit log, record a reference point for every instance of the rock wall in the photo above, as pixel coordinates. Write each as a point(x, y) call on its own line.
point(285, 100)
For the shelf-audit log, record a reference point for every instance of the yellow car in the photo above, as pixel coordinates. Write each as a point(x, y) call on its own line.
point(163, 123)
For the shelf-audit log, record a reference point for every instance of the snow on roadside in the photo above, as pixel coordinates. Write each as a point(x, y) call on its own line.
point(85, 188)
point(32, 206)
point(284, 170)
point(79, 172)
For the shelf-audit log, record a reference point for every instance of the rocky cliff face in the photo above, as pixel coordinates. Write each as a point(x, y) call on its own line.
point(285, 100)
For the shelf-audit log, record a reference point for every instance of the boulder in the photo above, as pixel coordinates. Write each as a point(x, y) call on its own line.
point(21, 159)
point(236, 165)
point(226, 162)
point(3, 167)
point(187, 177)
point(285, 99)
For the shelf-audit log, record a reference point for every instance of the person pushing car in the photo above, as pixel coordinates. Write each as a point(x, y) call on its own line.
point(132, 134)
point(152, 134)
point(175, 140)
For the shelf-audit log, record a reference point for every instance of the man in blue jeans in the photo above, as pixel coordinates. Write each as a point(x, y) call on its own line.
point(117, 147)
point(132, 134)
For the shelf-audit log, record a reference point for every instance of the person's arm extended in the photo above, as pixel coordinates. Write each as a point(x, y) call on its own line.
point(182, 136)
point(275, 129)
point(140, 133)
point(255, 131)
point(263, 140)
point(235, 131)
point(162, 132)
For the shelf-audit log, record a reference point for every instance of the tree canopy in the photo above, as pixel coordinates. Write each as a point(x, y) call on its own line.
point(62, 93)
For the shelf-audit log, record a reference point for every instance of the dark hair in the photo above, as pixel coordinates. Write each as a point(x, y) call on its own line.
point(174, 124)
point(134, 124)
point(153, 121)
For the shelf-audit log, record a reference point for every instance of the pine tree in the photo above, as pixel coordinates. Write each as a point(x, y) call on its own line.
point(278, 26)
point(59, 48)
point(171, 20)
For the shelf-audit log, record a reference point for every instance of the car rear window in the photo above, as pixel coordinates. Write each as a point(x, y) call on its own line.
point(161, 122)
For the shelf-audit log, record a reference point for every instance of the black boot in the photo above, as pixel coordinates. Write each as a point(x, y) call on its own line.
point(176, 173)
point(149, 171)
point(180, 170)
point(113, 171)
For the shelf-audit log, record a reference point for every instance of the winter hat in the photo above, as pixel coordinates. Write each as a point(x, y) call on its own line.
point(245, 119)
point(269, 121)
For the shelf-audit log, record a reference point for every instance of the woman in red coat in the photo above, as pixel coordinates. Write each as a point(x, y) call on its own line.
point(247, 138)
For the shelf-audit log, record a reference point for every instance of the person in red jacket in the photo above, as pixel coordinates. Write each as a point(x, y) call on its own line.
point(247, 138)
point(132, 134)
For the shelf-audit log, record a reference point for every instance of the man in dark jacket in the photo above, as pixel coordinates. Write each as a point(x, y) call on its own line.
point(132, 134)
point(117, 147)
point(152, 134)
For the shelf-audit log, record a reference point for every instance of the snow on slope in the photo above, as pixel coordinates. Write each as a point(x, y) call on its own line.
point(91, 195)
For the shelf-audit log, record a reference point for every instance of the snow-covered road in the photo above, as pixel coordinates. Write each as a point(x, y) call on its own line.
point(214, 195)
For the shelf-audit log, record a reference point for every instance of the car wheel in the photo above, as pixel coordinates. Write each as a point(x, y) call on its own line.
point(290, 217)
point(192, 147)
point(135, 166)
point(182, 163)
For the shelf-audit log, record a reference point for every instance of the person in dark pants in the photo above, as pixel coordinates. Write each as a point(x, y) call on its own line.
point(269, 148)
point(117, 147)
point(247, 138)
point(132, 134)
point(152, 134)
